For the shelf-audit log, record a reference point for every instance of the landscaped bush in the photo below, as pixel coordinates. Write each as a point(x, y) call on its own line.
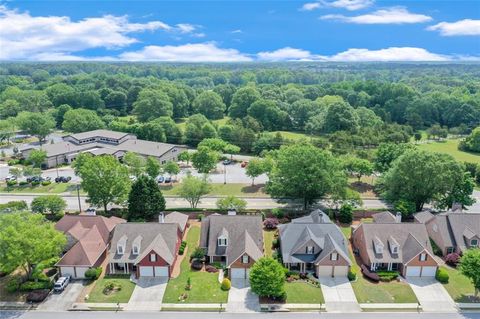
point(197, 265)
point(13, 162)
point(45, 183)
point(35, 183)
point(181, 250)
point(200, 217)
point(271, 223)
point(23, 183)
point(11, 183)
point(442, 275)
point(217, 265)
point(32, 285)
point(111, 287)
point(387, 275)
point(13, 284)
point(352, 275)
point(198, 253)
point(51, 272)
point(226, 284)
point(278, 213)
point(345, 215)
point(93, 273)
point(275, 243)
point(452, 259)
point(210, 268)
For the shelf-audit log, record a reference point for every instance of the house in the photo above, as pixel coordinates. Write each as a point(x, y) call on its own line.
point(453, 231)
point(314, 244)
point(101, 142)
point(403, 247)
point(233, 240)
point(387, 217)
point(87, 242)
point(175, 217)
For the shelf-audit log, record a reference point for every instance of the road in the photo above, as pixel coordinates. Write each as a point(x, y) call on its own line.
point(210, 315)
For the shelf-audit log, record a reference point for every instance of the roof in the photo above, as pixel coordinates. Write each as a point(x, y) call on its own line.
point(77, 226)
point(158, 237)
point(99, 133)
point(317, 216)
point(463, 226)
point(244, 235)
point(412, 239)
point(179, 218)
point(423, 217)
point(384, 217)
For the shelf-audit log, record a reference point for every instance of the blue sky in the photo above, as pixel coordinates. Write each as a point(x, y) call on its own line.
point(224, 31)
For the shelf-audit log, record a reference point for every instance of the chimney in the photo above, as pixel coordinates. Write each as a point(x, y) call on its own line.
point(457, 207)
point(161, 218)
point(232, 212)
point(398, 217)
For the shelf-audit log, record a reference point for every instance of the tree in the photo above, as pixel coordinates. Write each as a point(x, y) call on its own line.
point(254, 169)
point(204, 160)
point(37, 124)
point(470, 267)
point(472, 142)
point(420, 176)
point(16, 171)
point(460, 192)
point(267, 278)
point(48, 204)
point(135, 163)
point(358, 167)
point(387, 153)
point(152, 167)
point(60, 114)
point(241, 101)
point(37, 157)
point(231, 149)
point(345, 214)
point(209, 104)
point(306, 172)
point(231, 202)
point(437, 132)
point(171, 168)
point(105, 180)
point(81, 120)
point(193, 188)
point(30, 171)
point(214, 144)
point(341, 117)
point(152, 104)
point(145, 199)
point(26, 240)
point(185, 157)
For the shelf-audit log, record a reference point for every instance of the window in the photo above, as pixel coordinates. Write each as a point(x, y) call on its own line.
point(120, 249)
point(153, 257)
point(334, 256)
point(245, 259)
point(222, 241)
point(310, 250)
point(474, 242)
point(135, 250)
point(395, 250)
point(450, 250)
point(423, 257)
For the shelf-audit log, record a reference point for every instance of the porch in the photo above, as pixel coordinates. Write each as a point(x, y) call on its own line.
point(122, 268)
point(301, 267)
point(385, 267)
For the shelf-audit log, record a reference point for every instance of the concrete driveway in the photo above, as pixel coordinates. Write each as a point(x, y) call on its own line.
point(431, 295)
point(241, 298)
point(64, 300)
point(339, 295)
point(148, 294)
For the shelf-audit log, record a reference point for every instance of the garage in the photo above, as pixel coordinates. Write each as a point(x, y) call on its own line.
point(324, 271)
point(340, 271)
point(146, 271)
point(413, 271)
point(161, 271)
point(237, 273)
point(81, 271)
point(429, 271)
point(67, 271)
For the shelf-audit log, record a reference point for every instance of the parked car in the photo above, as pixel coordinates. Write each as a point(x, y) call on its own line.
point(227, 162)
point(244, 164)
point(10, 178)
point(38, 179)
point(63, 179)
point(168, 179)
point(160, 179)
point(61, 283)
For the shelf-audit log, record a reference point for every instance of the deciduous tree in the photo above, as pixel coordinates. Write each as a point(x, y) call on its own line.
point(470, 267)
point(267, 278)
point(193, 188)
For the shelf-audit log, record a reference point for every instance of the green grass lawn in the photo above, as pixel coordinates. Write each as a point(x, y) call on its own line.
point(451, 147)
point(293, 135)
point(205, 286)
point(122, 296)
point(224, 190)
point(267, 241)
point(302, 292)
point(459, 287)
point(53, 188)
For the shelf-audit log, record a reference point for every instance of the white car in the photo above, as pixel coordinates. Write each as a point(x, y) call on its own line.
point(61, 283)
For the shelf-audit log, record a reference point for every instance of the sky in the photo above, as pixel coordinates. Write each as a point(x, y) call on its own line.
point(240, 31)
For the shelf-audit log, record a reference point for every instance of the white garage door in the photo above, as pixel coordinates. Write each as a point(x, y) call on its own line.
point(429, 271)
point(146, 271)
point(324, 271)
point(236, 273)
point(81, 272)
point(340, 271)
point(413, 271)
point(161, 271)
point(67, 271)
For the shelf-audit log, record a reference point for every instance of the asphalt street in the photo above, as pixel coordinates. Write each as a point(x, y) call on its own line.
point(210, 315)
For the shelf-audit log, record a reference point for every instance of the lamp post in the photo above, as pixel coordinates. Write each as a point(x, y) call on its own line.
point(78, 196)
point(224, 173)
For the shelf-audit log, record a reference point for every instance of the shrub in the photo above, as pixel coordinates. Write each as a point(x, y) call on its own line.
point(181, 250)
point(200, 217)
point(275, 243)
point(13, 162)
point(278, 213)
point(217, 265)
point(270, 223)
point(352, 275)
point(32, 285)
point(13, 284)
point(452, 259)
point(210, 268)
point(442, 275)
point(35, 183)
point(198, 253)
point(387, 275)
point(226, 284)
point(11, 183)
point(345, 215)
point(23, 183)
point(37, 295)
point(45, 183)
point(93, 273)
point(197, 265)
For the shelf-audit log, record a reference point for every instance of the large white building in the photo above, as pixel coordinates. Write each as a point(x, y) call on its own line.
point(100, 142)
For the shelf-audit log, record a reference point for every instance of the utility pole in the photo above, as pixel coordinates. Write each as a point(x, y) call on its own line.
point(78, 196)
point(224, 173)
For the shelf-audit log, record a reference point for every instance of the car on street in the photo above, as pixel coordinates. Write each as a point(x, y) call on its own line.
point(62, 179)
point(227, 162)
point(61, 283)
point(160, 179)
point(10, 178)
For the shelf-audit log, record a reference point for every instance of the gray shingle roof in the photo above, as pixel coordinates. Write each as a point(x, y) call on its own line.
point(244, 235)
point(179, 218)
point(316, 217)
point(99, 133)
point(159, 237)
point(462, 225)
point(383, 217)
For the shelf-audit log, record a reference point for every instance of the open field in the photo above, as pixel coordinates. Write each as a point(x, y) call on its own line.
point(451, 147)
point(293, 135)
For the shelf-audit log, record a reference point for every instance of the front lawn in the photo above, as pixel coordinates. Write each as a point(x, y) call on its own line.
point(302, 292)
point(53, 188)
point(121, 292)
point(205, 286)
point(235, 189)
point(459, 287)
point(268, 236)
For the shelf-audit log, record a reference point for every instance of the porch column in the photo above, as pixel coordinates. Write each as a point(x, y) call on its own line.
point(389, 266)
point(124, 268)
point(372, 267)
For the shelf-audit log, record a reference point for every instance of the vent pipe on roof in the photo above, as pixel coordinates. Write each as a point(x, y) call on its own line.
point(161, 218)
point(398, 217)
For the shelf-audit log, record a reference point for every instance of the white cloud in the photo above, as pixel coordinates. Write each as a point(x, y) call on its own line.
point(185, 27)
point(350, 5)
point(392, 15)
point(236, 31)
point(389, 54)
point(461, 27)
point(286, 54)
point(197, 52)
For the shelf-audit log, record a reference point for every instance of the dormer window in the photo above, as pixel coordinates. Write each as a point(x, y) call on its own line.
point(135, 250)
point(310, 250)
point(378, 245)
point(394, 250)
point(120, 249)
point(474, 243)
point(222, 241)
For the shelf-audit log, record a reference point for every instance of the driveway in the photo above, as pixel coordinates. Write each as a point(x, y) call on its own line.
point(241, 298)
point(148, 294)
point(339, 295)
point(431, 295)
point(64, 300)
